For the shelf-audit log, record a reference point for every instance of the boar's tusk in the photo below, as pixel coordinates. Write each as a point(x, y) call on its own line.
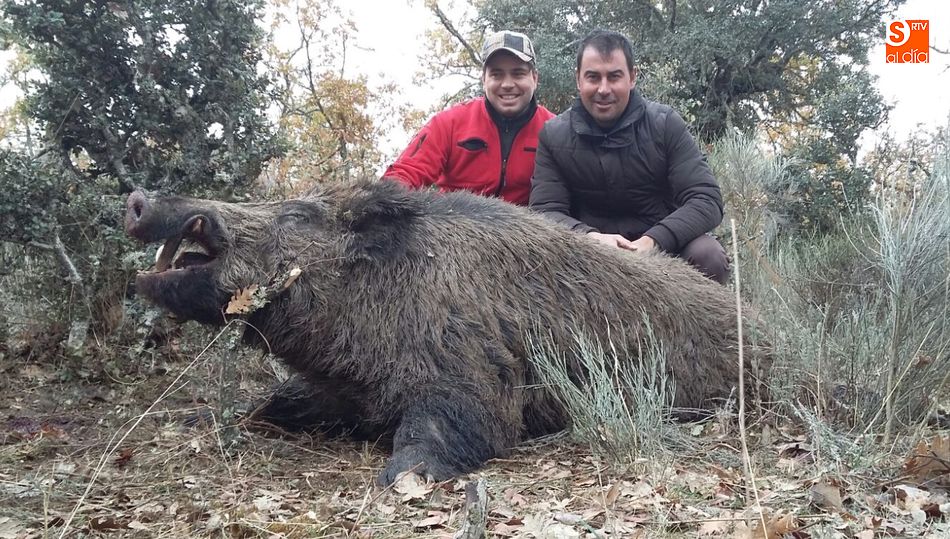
point(166, 253)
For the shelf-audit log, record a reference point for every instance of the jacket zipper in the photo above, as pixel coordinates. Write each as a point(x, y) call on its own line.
point(504, 162)
point(501, 180)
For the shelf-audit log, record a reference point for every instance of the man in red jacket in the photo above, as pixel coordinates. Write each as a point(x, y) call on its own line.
point(485, 145)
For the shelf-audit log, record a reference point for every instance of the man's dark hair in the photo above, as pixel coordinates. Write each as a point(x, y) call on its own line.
point(605, 42)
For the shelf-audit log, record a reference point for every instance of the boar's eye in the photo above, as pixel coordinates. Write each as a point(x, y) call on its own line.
point(298, 213)
point(293, 218)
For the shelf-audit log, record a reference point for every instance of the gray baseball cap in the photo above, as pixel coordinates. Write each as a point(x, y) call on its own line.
point(514, 42)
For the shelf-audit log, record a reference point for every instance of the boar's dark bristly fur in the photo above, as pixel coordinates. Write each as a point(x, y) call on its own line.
point(415, 309)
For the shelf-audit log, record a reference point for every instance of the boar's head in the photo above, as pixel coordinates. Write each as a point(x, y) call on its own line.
point(212, 249)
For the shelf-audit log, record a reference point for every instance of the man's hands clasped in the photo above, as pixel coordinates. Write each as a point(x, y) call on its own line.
point(643, 244)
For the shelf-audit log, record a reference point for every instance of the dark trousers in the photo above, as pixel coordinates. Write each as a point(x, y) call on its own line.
point(707, 255)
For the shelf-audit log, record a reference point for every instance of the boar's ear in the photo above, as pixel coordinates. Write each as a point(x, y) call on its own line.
point(379, 217)
point(380, 204)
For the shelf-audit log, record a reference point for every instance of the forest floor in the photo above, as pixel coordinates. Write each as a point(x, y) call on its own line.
point(80, 457)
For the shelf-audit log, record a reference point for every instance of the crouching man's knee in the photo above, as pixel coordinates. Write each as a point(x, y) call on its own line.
point(707, 255)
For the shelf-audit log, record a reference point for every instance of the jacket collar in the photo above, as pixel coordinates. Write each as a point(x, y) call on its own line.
point(616, 136)
point(518, 121)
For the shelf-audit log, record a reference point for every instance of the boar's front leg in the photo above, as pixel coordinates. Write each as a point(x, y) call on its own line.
point(452, 428)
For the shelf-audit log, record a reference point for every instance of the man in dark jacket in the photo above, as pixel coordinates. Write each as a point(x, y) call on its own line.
point(485, 145)
point(624, 170)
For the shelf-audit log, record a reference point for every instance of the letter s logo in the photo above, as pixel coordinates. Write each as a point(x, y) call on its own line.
point(898, 32)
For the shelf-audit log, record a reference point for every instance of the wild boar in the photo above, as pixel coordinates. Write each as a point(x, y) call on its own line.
point(414, 312)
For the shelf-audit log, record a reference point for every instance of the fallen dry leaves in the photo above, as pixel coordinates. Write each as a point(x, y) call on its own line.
point(175, 482)
point(777, 526)
point(243, 301)
point(412, 487)
point(825, 495)
point(929, 462)
point(247, 300)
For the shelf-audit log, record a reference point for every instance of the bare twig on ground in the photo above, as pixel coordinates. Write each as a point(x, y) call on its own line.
point(476, 511)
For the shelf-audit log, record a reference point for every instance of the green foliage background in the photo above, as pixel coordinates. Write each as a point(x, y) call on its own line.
point(793, 72)
point(164, 95)
point(161, 95)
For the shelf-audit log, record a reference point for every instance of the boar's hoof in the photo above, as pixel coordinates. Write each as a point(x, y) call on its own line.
point(417, 460)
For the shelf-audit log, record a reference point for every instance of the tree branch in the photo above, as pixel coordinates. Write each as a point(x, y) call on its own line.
point(671, 6)
point(58, 249)
point(476, 511)
point(116, 155)
point(447, 24)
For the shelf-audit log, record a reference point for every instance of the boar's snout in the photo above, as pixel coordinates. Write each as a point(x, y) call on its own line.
point(137, 208)
point(164, 219)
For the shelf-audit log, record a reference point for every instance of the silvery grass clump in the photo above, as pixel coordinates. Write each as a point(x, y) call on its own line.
point(860, 319)
point(25, 310)
point(623, 409)
point(755, 188)
point(815, 313)
point(909, 240)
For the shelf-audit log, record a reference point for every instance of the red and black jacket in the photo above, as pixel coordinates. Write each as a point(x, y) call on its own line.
point(461, 149)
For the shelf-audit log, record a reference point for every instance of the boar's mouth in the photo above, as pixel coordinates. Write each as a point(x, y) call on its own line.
point(192, 236)
point(192, 248)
